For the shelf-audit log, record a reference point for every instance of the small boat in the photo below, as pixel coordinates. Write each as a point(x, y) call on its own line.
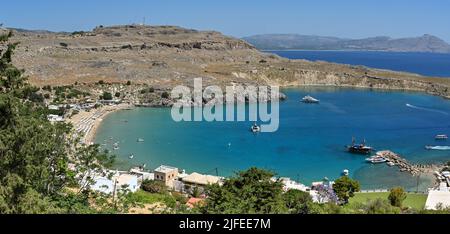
point(116, 148)
point(309, 99)
point(429, 147)
point(140, 140)
point(255, 128)
point(441, 137)
point(345, 172)
point(131, 156)
point(391, 164)
point(359, 148)
point(376, 159)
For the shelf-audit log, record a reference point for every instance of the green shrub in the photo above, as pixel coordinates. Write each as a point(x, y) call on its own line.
point(106, 96)
point(396, 196)
point(154, 186)
point(165, 95)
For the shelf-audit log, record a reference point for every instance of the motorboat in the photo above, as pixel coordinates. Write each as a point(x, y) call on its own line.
point(376, 159)
point(359, 148)
point(429, 147)
point(391, 164)
point(309, 99)
point(255, 128)
point(345, 172)
point(441, 137)
point(140, 140)
point(131, 156)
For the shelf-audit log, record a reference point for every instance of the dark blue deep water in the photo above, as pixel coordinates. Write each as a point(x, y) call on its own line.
point(428, 64)
point(309, 144)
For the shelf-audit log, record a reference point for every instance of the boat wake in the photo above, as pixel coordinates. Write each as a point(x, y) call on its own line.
point(438, 147)
point(426, 109)
point(333, 108)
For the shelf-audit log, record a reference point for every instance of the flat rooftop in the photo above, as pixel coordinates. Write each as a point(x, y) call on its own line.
point(436, 199)
point(165, 169)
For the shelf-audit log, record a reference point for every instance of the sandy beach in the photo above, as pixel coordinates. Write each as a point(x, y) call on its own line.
point(86, 123)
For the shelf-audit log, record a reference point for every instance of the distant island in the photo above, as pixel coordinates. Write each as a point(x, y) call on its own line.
point(425, 43)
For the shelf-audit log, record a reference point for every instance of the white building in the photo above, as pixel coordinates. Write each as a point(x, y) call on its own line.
point(53, 107)
point(55, 118)
point(289, 184)
point(142, 175)
point(437, 199)
point(118, 181)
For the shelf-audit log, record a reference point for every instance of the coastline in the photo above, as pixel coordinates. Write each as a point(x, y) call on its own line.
point(96, 117)
point(86, 123)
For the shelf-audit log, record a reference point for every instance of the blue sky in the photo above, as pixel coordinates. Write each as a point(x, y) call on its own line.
point(343, 18)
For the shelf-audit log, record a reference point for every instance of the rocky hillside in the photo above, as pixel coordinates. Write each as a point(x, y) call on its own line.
point(165, 56)
point(425, 43)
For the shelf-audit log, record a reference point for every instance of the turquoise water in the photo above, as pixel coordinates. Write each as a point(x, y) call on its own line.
point(428, 64)
point(309, 144)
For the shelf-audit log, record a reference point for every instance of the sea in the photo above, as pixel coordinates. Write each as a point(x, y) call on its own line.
point(427, 64)
point(310, 142)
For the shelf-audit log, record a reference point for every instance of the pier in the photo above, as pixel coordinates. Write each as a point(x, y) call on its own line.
point(402, 163)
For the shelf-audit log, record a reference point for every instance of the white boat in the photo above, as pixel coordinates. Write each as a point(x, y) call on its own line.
point(140, 140)
point(131, 156)
point(345, 172)
point(391, 164)
point(309, 99)
point(376, 159)
point(429, 147)
point(441, 137)
point(255, 128)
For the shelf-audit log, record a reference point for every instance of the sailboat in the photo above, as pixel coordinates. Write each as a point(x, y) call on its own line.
point(359, 148)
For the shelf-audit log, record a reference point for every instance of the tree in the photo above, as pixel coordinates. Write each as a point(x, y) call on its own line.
point(36, 155)
point(195, 192)
point(154, 186)
point(345, 188)
point(117, 95)
point(396, 196)
point(106, 96)
point(129, 83)
point(297, 201)
point(326, 194)
point(248, 192)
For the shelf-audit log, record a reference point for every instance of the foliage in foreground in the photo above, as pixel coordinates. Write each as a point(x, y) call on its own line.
point(35, 154)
